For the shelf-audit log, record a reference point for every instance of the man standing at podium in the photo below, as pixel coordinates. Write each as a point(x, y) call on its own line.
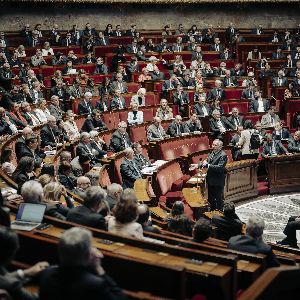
point(215, 178)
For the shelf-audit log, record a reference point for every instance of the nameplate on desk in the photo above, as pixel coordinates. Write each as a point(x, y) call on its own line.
point(148, 170)
point(159, 163)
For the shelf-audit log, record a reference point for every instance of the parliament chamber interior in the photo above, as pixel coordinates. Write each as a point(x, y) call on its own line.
point(149, 151)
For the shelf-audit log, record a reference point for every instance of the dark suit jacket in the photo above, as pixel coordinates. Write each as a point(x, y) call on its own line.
point(85, 108)
point(275, 81)
point(19, 146)
point(253, 107)
point(180, 100)
point(114, 105)
point(4, 127)
point(141, 161)
point(111, 201)
point(192, 126)
point(226, 227)
point(55, 111)
point(38, 158)
point(102, 42)
point(214, 128)
point(64, 94)
point(279, 148)
point(293, 145)
point(213, 48)
point(84, 216)
point(100, 106)
point(117, 142)
point(101, 151)
point(91, 124)
point(231, 120)
point(199, 109)
point(213, 94)
point(129, 173)
point(67, 181)
point(81, 150)
point(216, 170)
point(249, 244)
point(47, 138)
point(172, 129)
point(247, 94)
point(225, 81)
point(187, 83)
point(284, 134)
point(77, 283)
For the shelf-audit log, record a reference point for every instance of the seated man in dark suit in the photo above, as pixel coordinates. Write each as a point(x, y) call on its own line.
point(65, 176)
point(177, 128)
point(229, 80)
point(202, 109)
point(228, 225)
point(273, 147)
point(31, 150)
point(130, 172)
point(140, 160)
point(236, 150)
point(280, 133)
point(85, 107)
point(93, 122)
point(99, 147)
point(219, 125)
point(120, 139)
point(294, 143)
point(193, 124)
point(49, 134)
point(143, 219)
point(181, 98)
point(235, 119)
point(117, 102)
point(258, 104)
point(80, 274)
point(20, 143)
point(88, 213)
point(13, 282)
point(202, 230)
point(253, 242)
point(85, 149)
point(216, 92)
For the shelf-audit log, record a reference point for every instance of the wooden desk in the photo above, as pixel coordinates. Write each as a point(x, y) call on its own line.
point(241, 180)
point(283, 173)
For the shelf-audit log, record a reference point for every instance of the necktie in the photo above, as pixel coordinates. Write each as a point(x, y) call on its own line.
point(217, 48)
point(104, 42)
point(54, 137)
point(178, 129)
point(280, 81)
point(136, 168)
point(159, 132)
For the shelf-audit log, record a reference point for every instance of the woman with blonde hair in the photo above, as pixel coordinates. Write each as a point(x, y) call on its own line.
point(52, 196)
point(70, 126)
point(144, 76)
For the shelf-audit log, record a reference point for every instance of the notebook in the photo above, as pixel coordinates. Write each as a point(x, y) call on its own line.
point(29, 216)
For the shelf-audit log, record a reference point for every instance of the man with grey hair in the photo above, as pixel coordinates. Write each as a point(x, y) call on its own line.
point(80, 274)
point(120, 139)
point(85, 107)
point(177, 128)
point(84, 149)
point(49, 134)
point(219, 125)
point(32, 192)
point(88, 213)
point(155, 132)
point(20, 143)
point(114, 192)
point(130, 172)
point(252, 241)
point(55, 109)
point(215, 165)
point(217, 92)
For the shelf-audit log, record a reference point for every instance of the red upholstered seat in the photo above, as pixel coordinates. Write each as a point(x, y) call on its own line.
point(127, 98)
point(88, 68)
point(133, 87)
point(138, 133)
point(104, 178)
point(233, 93)
point(47, 71)
point(111, 119)
point(123, 115)
point(211, 55)
point(242, 106)
point(177, 185)
point(149, 113)
point(79, 123)
point(158, 86)
point(75, 105)
point(151, 99)
point(102, 50)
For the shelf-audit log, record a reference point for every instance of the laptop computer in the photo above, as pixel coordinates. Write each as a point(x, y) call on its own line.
point(29, 216)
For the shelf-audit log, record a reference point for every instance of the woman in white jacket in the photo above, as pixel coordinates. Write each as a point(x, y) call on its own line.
point(135, 117)
point(245, 143)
